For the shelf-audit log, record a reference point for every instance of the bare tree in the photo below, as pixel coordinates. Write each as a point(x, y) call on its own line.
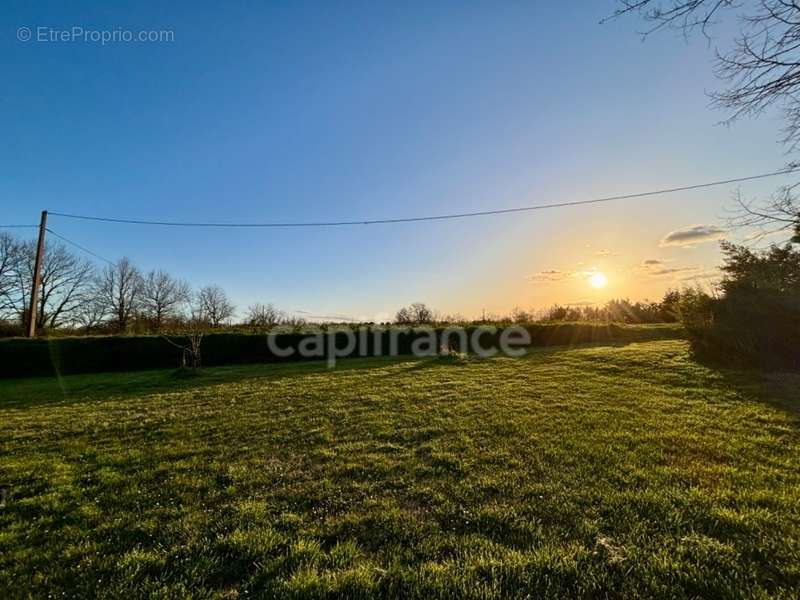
point(761, 69)
point(162, 295)
point(403, 317)
point(119, 288)
point(417, 313)
point(91, 312)
point(520, 315)
point(293, 322)
point(421, 313)
point(263, 316)
point(452, 319)
point(65, 283)
point(195, 326)
point(10, 256)
point(780, 214)
point(215, 305)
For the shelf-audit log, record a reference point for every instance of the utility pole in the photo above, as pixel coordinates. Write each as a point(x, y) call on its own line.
point(37, 277)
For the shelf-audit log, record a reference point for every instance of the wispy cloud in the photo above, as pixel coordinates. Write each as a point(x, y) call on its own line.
point(693, 234)
point(552, 275)
point(672, 271)
point(555, 275)
point(654, 267)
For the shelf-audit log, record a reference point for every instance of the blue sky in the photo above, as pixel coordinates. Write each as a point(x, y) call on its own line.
point(318, 110)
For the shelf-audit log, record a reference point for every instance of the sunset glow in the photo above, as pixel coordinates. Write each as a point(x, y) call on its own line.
point(598, 280)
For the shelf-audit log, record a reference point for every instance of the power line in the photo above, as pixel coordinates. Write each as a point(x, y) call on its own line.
point(16, 226)
point(77, 245)
point(462, 215)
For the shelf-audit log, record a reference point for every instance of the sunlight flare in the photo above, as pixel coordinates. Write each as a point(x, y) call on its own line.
point(598, 280)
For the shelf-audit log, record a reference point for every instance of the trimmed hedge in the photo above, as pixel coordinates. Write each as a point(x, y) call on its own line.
point(20, 357)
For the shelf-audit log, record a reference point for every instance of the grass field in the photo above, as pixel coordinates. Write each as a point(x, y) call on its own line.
point(586, 472)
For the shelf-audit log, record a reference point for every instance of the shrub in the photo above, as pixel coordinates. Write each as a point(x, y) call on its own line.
point(757, 319)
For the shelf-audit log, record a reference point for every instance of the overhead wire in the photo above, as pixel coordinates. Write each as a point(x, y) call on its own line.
point(83, 248)
point(442, 217)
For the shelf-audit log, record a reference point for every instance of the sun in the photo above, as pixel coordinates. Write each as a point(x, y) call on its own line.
point(598, 280)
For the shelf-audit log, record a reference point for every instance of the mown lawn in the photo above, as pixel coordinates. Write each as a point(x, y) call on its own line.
point(620, 471)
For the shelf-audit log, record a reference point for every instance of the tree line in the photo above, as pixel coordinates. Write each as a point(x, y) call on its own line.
point(620, 310)
point(76, 295)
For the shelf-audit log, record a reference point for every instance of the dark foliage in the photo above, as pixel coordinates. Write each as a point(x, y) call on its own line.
point(757, 319)
point(32, 357)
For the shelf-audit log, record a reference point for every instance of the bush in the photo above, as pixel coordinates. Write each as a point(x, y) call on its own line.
point(761, 331)
point(756, 322)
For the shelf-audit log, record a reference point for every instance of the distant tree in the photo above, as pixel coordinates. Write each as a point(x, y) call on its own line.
point(263, 316)
point(293, 322)
point(119, 289)
point(417, 313)
point(619, 310)
point(669, 307)
point(556, 313)
point(65, 283)
point(421, 313)
point(519, 315)
point(453, 319)
point(161, 296)
point(761, 69)
point(214, 304)
point(622, 310)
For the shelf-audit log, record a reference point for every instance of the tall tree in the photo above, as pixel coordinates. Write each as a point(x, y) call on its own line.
point(263, 316)
point(215, 305)
point(119, 287)
point(65, 283)
point(162, 295)
point(10, 256)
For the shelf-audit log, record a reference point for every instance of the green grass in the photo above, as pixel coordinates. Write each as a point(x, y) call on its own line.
point(587, 472)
